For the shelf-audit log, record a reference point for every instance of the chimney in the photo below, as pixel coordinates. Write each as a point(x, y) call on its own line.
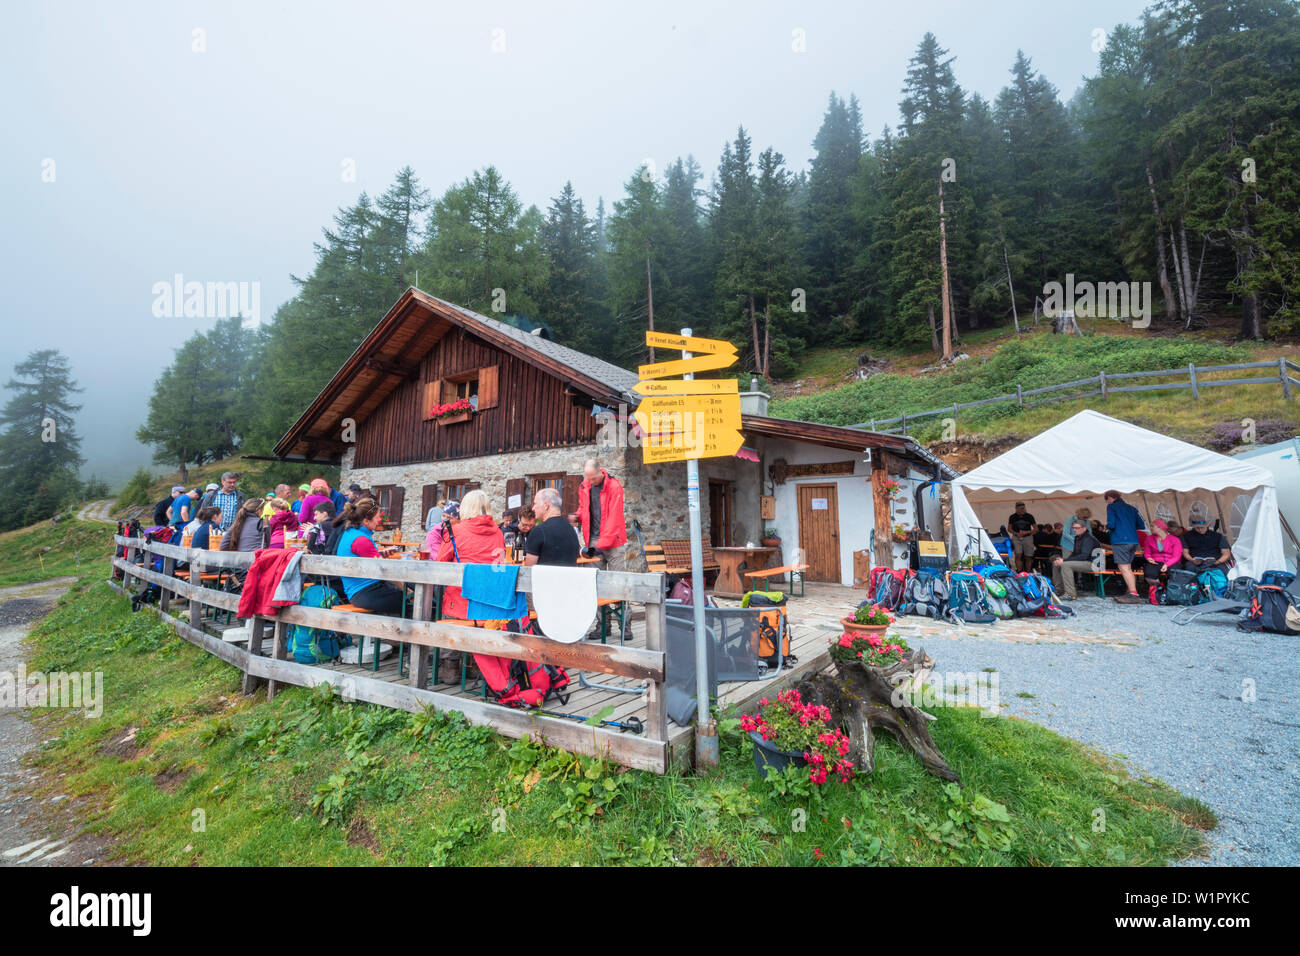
point(754, 402)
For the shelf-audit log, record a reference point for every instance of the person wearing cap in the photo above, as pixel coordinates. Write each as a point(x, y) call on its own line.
point(179, 515)
point(1123, 522)
point(450, 517)
point(227, 498)
point(1204, 549)
point(319, 491)
point(354, 492)
point(267, 510)
point(162, 510)
point(1162, 551)
point(303, 492)
point(1021, 527)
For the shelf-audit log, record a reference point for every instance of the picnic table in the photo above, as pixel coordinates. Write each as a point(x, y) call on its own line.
point(732, 563)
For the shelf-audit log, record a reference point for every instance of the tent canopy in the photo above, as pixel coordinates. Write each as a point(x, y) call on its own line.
point(1075, 463)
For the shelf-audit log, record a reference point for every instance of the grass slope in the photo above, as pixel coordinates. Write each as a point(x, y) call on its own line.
point(1040, 359)
point(212, 778)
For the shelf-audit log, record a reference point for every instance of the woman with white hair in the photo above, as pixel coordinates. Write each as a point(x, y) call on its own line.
point(475, 539)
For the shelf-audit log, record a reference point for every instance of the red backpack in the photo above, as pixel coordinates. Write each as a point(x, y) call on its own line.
point(885, 586)
point(516, 683)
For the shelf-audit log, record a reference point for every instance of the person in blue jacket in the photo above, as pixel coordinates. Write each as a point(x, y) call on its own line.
point(1124, 523)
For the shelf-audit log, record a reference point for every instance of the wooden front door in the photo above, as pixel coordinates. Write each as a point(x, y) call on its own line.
point(819, 532)
point(719, 514)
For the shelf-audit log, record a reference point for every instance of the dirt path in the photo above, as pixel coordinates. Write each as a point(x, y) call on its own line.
point(96, 511)
point(33, 830)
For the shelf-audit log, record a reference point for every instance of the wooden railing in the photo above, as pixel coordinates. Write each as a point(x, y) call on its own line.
point(647, 752)
point(1102, 385)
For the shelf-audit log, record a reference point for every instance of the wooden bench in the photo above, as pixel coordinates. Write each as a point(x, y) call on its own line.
point(672, 557)
point(794, 570)
point(361, 638)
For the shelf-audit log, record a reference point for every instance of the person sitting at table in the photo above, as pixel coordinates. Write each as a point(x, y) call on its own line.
point(303, 492)
point(282, 520)
point(248, 531)
point(475, 539)
point(1046, 546)
point(528, 521)
point(1204, 549)
point(209, 519)
point(320, 491)
point(1162, 552)
point(1079, 561)
point(321, 538)
point(449, 517)
point(551, 541)
point(361, 519)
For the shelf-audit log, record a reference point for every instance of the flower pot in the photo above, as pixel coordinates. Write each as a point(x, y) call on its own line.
point(771, 542)
point(768, 754)
point(852, 625)
point(453, 419)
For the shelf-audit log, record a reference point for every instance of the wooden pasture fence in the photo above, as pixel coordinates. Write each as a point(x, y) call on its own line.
point(1103, 385)
point(648, 751)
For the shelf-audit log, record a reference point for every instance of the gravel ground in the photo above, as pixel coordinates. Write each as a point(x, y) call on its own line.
point(1176, 707)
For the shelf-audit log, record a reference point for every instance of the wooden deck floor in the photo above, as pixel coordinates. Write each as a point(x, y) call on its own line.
point(808, 639)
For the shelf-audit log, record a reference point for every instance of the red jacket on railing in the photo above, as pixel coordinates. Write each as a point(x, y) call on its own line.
point(613, 530)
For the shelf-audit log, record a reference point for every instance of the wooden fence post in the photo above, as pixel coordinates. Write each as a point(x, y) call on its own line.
point(421, 660)
point(656, 626)
point(1020, 399)
point(128, 555)
point(1286, 379)
point(165, 597)
point(256, 624)
point(196, 580)
point(1103, 386)
point(280, 652)
point(1191, 373)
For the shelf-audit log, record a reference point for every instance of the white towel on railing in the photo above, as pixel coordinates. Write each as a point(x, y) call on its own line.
point(565, 601)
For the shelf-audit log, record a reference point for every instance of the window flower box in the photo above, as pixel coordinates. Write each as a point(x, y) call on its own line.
point(460, 410)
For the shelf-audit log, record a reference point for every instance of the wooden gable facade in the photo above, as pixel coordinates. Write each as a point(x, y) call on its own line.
point(521, 407)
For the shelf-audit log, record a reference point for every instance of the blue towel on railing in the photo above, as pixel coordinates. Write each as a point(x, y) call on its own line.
point(490, 591)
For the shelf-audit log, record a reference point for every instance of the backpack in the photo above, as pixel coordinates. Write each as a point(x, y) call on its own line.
point(1213, 582)
point(1010, 583)
point(1052, 606)
point(1280, 578)
point(773, 626)
point(925, 595)
point(1271, 610)
point(1183, 588)
point(887, 586)
point(515, 683)
point(1242, 588)
point(1035, 593)
point(314, 645)
point(967, 602)
point(995, 596)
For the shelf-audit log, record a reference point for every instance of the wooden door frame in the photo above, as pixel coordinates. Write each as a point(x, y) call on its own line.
point(837, 568)
point(728, 506)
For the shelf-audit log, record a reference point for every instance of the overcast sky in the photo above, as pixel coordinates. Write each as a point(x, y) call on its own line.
point(135, 148)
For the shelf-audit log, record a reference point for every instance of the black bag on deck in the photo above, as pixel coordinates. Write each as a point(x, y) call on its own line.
point(1271, 610)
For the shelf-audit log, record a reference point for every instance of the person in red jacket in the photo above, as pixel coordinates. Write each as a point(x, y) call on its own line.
point(477, 540)
point(600, 512)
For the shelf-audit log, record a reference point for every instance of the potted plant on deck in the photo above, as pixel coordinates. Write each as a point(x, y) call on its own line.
point(787, 732)
point(868, 619)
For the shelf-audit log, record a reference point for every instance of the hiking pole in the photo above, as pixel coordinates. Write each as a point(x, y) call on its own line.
point(631, 723)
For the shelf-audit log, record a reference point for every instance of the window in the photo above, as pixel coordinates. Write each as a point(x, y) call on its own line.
point(479, 386)
point(538, 482)
point(390, 500)
point(457, 487)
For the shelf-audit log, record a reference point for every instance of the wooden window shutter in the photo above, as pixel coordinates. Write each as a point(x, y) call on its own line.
point(516, 486)
point(428, 498)
point(432, 396)
point(396, 498)
point(487, 387)
point(569, 494)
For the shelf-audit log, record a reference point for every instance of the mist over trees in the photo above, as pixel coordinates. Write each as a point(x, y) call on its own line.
point(1173, 165)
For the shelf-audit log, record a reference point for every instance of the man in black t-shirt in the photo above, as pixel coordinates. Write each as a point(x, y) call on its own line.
point(1204, 549)
point(1022, 526)
point(552, 541)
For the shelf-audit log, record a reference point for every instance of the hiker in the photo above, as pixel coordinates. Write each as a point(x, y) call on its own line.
point(551, 541)
point(1047, 543)
point(320, 491)
point(434, 517)
point(303, 492)
point(1204, 549)
point(1021, 527)
point(1162, 551)
point(248, 530)
point(449, 512)
point(282, 520)
point(209, 519)
point(1067, 532)
point(360, 521)
point(356, 492)
point(1123, 523)
point(162, 510)
point(321, 528)
point(180, 510)
point(600, 512)
point(475, 539)
point(227, 498)
point(1079, 560)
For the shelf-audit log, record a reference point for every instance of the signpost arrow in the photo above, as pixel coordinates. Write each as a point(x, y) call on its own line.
point(704, 386)
point(688, 343)
point(700, 363)
point(692, 415)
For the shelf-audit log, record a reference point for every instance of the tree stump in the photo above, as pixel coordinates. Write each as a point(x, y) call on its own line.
point(861, 701)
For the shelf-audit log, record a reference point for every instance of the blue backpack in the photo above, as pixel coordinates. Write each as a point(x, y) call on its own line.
point(966, 599)
point(314, 645)
point(1276, 578)
point(1214, 581)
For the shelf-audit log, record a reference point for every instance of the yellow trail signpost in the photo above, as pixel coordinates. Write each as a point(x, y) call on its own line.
point(682, 386)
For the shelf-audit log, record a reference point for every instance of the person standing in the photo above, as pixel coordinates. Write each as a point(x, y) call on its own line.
point(227, 498)
point(1123, 522)
point(1021, 527)
point(161, 510)
point(181, 509)
point(552, 541)
point(600, 512)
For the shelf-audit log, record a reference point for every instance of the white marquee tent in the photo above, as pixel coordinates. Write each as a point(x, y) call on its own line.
point(1075, 463)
